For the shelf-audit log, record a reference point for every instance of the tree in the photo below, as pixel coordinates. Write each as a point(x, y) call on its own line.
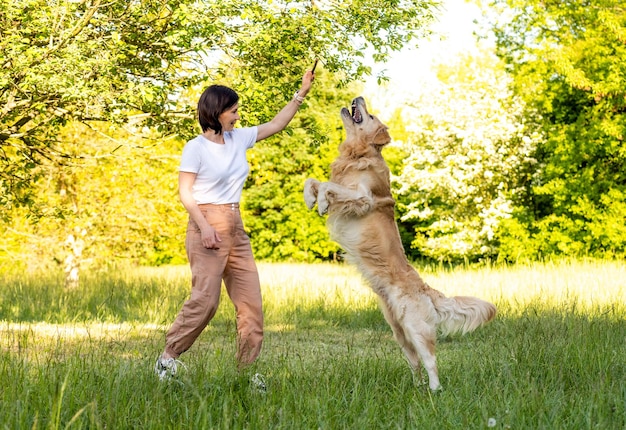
point(568, 61)
point(136, 63)
point(465, 147)
point(98, 98)
point(119, 204)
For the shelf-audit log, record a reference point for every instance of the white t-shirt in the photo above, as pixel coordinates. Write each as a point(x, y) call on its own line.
point(221, 170)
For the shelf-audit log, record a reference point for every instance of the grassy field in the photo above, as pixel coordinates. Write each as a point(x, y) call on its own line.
point(554, 357)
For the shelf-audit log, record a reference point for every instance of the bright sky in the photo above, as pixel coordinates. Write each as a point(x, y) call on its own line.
point(411, 68)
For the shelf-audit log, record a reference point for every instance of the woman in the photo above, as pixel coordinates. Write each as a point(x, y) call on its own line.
point(212, 173)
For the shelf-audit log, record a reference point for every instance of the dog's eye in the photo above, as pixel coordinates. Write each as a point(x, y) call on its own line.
point(371, 116)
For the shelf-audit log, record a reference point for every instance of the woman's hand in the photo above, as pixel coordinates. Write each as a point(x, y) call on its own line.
point(307, 81)
point(210, 237)
point(282, 118)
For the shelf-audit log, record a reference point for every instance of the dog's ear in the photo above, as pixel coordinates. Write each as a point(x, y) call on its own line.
point(382, 136)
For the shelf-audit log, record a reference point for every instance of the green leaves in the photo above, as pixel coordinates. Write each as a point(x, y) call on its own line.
point(143, 63)
point(467, 147)
point(571, 55)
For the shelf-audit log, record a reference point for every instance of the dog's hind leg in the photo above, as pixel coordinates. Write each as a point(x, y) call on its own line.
point(408, 318)
point(405, 343)
point(422, 337)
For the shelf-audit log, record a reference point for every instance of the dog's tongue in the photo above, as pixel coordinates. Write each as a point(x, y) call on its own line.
point(356, 113)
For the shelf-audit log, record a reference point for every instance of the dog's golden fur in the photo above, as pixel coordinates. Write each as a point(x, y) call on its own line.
point(361, 219)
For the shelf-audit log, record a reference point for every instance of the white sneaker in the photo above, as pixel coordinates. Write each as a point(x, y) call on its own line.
point(258, 383)
point(165, 368)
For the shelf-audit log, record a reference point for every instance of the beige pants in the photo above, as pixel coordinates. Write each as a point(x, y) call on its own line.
point(234, 263)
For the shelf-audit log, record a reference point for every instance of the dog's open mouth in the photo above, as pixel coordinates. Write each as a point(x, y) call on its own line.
point(356, 113)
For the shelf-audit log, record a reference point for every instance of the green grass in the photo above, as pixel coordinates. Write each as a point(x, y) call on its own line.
point(554, 358)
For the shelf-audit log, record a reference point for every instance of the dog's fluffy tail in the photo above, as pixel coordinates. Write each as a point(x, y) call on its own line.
point(462, 314)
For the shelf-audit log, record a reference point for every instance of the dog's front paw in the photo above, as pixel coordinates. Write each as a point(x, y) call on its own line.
point(310, 192)
point(322, 199)
point(322, 204)
point(363, 206)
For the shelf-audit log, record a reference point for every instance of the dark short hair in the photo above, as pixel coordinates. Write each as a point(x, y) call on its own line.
point(214, 101)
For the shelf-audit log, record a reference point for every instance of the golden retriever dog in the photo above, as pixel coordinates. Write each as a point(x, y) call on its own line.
point(361, 219)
